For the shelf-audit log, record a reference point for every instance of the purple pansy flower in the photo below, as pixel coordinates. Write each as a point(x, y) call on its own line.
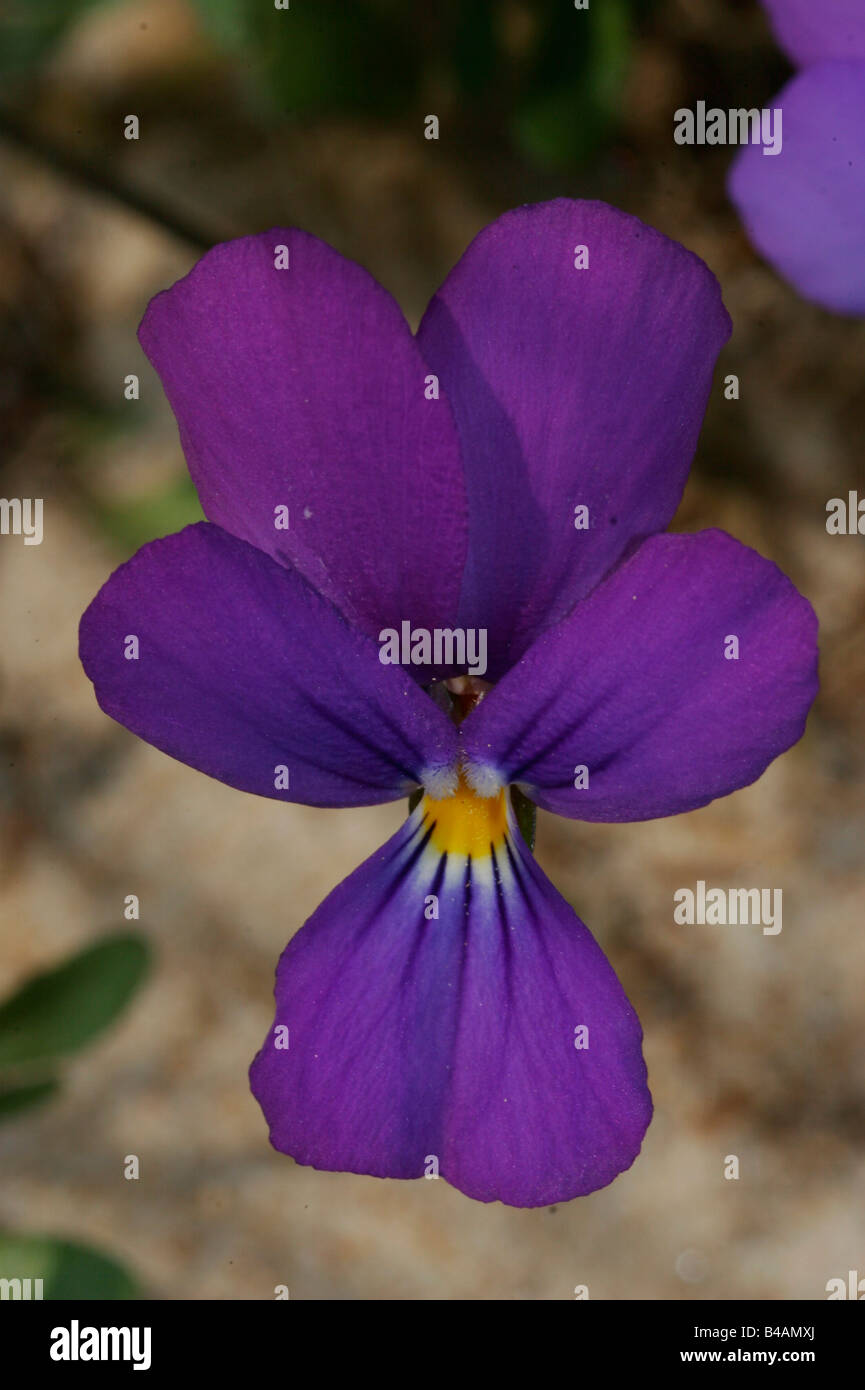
point(511, 468)
point(804, 208)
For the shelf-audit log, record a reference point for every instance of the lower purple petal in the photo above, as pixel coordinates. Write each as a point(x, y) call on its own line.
point(453, 1041)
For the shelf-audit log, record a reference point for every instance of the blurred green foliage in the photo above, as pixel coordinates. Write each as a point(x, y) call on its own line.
point(576, 86)
point(144, 518)
point(67, 1270)
point(545, 76)
point(320, 56)
point(14, 1099)
point(536, 76)
point(29, 30)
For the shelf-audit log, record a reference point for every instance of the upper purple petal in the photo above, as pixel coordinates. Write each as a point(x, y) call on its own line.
point(242, 670)
point(569, 387)
point(641, 687)
point(811, 30)
point(804, 208)
point(401, 1039)
point(302, 387)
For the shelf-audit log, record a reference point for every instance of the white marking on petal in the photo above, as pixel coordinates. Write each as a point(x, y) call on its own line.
point(440, 782)
point(483, 779)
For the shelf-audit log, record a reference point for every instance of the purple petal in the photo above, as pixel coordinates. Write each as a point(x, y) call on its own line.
point(570, 388)
point(804, 208)
point(243, 670)
point(454, 1039)
point(811, 31)
point(304, 388)
point(641, 688)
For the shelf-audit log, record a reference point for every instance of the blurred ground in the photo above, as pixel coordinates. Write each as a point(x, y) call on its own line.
point(755, 1044)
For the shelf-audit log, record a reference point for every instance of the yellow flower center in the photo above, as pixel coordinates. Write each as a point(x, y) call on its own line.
point(466, 823)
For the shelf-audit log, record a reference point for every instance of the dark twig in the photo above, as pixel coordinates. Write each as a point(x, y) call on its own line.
point(99, 179)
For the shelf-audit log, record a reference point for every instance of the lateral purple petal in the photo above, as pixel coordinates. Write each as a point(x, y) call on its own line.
point(404, 1046)
point(231, 663)
point(677, 681)
point(810, 32)
point(297, 384)
point(804, 208)
point(570, 388)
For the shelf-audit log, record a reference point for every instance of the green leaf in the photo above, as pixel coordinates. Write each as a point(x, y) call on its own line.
point(67, 1270)
point(62, 1010)
point(526, 813)
point(15, 1099)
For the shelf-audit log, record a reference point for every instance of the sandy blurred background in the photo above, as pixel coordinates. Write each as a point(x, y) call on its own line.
point(755, 1044)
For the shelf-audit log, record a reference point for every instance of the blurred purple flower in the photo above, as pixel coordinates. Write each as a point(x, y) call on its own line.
point(804, 209)
point(444, 1009)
